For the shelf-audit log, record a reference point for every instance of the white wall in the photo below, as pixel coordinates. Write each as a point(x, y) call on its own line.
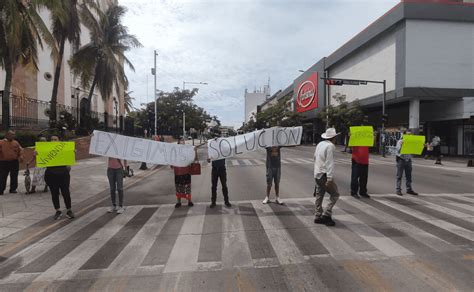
point(375, 62)
point(252, 99)
point(448, 110)
point(439, 54)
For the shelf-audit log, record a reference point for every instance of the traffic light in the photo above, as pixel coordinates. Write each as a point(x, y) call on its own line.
point(334, 82)
point(384, 119)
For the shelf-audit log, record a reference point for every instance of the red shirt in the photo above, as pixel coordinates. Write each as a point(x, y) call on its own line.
point(360, 154)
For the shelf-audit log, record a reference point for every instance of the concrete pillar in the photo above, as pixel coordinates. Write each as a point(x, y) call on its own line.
point(414, 122)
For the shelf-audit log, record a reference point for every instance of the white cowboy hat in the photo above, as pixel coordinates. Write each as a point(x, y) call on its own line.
point(330, 133)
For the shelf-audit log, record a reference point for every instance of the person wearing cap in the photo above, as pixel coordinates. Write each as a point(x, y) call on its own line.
point(324, 176)
point(404, 165)
point(11, 154)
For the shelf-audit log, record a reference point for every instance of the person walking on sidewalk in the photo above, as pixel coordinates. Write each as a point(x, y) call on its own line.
point(58, 179)
point(182, 181)
point(273, 165)
point(38, 173)
point(115, 171)
point(11, 154)
point(436, 144)
point(324, 177)
point(219, 172)
point(404, 165)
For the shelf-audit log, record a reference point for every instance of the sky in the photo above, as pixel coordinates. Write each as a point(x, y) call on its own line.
point(236, 44)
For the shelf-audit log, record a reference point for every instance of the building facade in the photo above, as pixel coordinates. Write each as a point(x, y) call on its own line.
point(424, 50)
point(31, 91)
point(253, 99)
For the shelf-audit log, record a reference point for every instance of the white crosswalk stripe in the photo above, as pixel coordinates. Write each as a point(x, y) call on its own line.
point(236, 246)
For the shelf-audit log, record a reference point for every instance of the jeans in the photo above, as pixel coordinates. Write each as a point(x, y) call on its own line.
point(9, 167)
point(359, 176)
point(115, 177)
point(320, 191)
point(403, 166)
point(58, 180)
point(219, 173)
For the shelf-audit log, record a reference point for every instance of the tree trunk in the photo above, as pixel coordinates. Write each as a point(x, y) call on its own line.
point(6, 95)
point(57, 74)
point(89, 98)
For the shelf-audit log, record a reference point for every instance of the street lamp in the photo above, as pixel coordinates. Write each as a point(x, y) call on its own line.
point(184, 114)
point(153, 72)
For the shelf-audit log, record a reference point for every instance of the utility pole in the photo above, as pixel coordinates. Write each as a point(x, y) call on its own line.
point(154, 98)
point(384, 119)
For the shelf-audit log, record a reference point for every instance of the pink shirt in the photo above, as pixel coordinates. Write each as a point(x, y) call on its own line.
point(114, 163)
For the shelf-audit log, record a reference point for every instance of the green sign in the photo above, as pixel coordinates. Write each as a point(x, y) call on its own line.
point(413, 144)
point(361, 136)
point(55, 154)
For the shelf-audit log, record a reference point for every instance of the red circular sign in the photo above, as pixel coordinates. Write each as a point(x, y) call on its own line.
point(306, 94)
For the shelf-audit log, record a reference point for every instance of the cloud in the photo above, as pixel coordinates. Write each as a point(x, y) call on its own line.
point(233, 45)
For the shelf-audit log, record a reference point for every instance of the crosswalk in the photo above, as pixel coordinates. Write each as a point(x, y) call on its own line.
point(159, 239)
point(258, 162)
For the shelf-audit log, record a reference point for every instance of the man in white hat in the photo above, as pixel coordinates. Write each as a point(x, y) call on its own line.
point(324, 176)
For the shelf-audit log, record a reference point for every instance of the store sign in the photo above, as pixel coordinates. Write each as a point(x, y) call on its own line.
point(307, 94)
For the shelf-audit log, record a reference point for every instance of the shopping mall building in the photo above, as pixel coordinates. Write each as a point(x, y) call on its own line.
point(424, 50)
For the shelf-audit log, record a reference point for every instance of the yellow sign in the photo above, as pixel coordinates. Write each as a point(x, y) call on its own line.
point(412, 144)
point(361, 136)
point(55, 154)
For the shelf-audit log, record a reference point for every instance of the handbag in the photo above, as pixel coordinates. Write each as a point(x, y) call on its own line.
point(195, 168)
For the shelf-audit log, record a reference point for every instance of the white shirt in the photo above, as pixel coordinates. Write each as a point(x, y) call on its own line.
point(324, 159)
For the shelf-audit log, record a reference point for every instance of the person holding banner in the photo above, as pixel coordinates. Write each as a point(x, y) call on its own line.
point(219, 172)
point(11, 154)
point(115, 171)
point(58, 180)
point(273, 165)
point(404, 165)
point(182, 181)
point(324, 177)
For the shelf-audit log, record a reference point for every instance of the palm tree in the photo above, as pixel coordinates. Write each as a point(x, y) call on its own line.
point(21, 31)
point(101, 62)
point(66, 27)
point(128, 102)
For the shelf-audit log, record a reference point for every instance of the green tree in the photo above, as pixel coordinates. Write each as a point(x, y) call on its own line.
point(66, 27)
point(21, 32)
point(278, 115)
point(128, 102)
point(100, 63)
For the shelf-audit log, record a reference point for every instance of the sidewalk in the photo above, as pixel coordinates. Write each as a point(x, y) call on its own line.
point(88, 178)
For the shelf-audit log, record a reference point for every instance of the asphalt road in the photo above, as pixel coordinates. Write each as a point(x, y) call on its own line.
point(387, 243)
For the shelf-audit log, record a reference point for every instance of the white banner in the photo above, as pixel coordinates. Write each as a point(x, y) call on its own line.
point(221, 148)
point(143, 150)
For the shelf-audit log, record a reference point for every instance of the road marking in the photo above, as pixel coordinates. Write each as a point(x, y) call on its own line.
point(246, 162)
point(429, 274)
point(235, 248)
point(286, 250)
point(382, 243)
point(235, 162)
point(454, 213)
point(427, 218)
point(185, 252)
point(462, 206)
point(68, 266)
point(367, 275)
point(258, 161)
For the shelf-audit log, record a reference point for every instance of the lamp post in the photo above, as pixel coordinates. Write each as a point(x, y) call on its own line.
point(77, 93)
point(184, 114)
point(153, 72)
point(116, 114)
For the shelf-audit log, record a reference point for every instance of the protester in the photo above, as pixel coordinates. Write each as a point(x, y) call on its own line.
point(182, 181)
point(436, 144)
point(360, 170)
point(38, 173)
point(115, 171)
point(324, 176)
point(58, 179)
point(219, 173)
point(11, 154)
point(273, 165)
point(404, 165)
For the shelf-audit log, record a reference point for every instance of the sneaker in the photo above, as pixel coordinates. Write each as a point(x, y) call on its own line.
point(58, 215)
point(228, 204)
point(412, 192)
point(212, 205)
point(266, 201)
point(277, 201)
point(111, 209)
point(365, 196)
point(177, 205)
point(355, 195)
point(69, 214)
point(120, 210)
point(319, 220)
point(399, 193)
point(190, 204)
point(328, 221)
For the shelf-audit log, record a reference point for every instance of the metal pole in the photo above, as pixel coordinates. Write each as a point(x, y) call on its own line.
point(184, 125)
point(184, 84)
point(155, 99)
point(382, 134)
